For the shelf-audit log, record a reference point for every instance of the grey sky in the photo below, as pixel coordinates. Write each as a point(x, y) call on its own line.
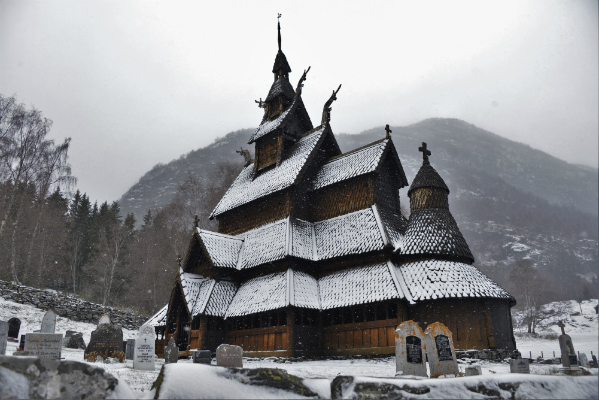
point(137, 83)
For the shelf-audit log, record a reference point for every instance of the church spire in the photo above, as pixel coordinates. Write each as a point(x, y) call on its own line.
point(279, 29)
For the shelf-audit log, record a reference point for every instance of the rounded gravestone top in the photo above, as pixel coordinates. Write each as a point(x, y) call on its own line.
point(104, 319)
point(146, 330)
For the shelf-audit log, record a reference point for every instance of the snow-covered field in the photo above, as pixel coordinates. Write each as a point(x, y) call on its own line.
point(583, 329)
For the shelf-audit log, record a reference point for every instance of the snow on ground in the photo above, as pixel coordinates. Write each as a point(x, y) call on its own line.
point(583, 329)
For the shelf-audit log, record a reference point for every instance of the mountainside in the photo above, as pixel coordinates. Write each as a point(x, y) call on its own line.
point(510, 201)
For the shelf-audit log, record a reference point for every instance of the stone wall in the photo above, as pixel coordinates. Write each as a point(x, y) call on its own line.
point(68, 306)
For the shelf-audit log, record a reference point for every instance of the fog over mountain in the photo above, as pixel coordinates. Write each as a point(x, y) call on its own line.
point(510, 201)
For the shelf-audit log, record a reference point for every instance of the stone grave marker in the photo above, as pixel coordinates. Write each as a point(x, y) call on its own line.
point(171, 352)
point(520, 366)
point(202, 357)
point(584, 361)
point(49, 322)
point(3, 337)
point(22, 343)
point(438, 341)
point(228, 355)
point(105, 341)
point(76, 341)
point(104, 319)
point(409, 350)
point(569, 358)
point(45, 345)
point(144, 349)
point(473, 370)
point(130, 349)
point(14, 325)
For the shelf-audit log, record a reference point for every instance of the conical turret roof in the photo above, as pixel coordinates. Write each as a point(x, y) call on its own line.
point(427, 177)
point(281, 63)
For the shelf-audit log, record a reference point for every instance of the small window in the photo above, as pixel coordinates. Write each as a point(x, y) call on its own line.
point(392, 311)
point(381, 312)
point(347, 316)
point(272, 319)
point(337, 319)
point(358, 314)
point(282, 318)
point(370, 314)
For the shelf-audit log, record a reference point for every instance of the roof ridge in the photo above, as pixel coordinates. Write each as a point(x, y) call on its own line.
point(335, 158)
point(223, 235)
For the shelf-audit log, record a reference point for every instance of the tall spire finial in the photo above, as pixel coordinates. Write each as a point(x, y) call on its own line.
point(425, 153)
point(279, 29)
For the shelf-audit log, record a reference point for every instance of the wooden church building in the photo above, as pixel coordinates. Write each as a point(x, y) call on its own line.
point(313, 256)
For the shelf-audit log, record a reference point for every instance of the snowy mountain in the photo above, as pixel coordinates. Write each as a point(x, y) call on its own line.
point(510, 201)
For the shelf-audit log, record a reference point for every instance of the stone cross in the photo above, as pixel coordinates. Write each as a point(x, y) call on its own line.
point(143, 355)
point(425, 152)
point(388, 131)
point(3, 337)
point(409, 350)
point(438, 340)
point(49, 322)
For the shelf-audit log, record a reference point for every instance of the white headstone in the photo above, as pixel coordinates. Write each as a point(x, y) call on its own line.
point(46, 345)
point(104, 319)
point(409, 350)
point(228, 355)
point(3, 337)
point(49, 322)
point(473, 369)
point(584, 361)
point(438, 340)
point(143, 357)
point(520, 366)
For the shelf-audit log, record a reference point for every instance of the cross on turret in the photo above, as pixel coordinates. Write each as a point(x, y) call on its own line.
point(179, 260)
point(196, 221)
point(388, 131)
point(425, 152)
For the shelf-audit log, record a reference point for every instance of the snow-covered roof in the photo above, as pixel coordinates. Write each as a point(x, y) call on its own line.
point(360, 285)
point(428, 177)
point(435, 279)
point(395, 224)
point(191, 285)
point(352, 233)
point(223, 250)
point(434, 231)
point(221, 297)
point(268, 292)
point(158, 319)
point(305, 291)
point(280, 87)
point(246, 188)
point(264, 244)
point(351, 164)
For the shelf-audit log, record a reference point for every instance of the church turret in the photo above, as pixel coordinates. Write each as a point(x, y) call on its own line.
point(432, 230)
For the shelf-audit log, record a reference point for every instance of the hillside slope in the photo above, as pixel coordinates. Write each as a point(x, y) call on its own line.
point(510, 200)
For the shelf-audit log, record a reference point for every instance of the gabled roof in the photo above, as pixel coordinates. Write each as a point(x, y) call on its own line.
point(357, 162)
point(223, 250)
point(158, 319)
point(368, 284)
point(280, 87)
point(246, 189)
point(191, 285)
point(295, 109)
point(281, 63)
point(268, 292)
point(427, 177)
point(434, 231)
point(264, 244)
point(435, 279)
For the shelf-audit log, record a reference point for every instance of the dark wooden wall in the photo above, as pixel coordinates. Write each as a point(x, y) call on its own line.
point(268, 151)
point(428, 198)
point(387, 186)
point(343, 198)
point(256, 213)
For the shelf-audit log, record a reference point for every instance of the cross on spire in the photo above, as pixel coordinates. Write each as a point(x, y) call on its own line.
point(425, 153)
point(388, 131)
point(179, 260)
point(196, 221)
point(279, 29)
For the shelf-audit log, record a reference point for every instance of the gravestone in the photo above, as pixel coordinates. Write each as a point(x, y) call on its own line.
point(130, 349)
point(3, 337)
point(409, 350)
point(144, 349)
point(438, 341)
point(171, 352)
point(569, 358)
point(22, 343)
point(202, 357)
point(228, 355)
point(104, 319)
point(45, 345)
point(49, 322)
point(14, 325)
point(584, 361)
point(473, 370)
point(76, 341)
point(520, 366)
point(105, 341)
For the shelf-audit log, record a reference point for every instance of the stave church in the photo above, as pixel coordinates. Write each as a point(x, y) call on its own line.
point(314, 257)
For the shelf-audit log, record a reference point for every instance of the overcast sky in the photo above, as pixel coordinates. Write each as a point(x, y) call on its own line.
point(137, 83)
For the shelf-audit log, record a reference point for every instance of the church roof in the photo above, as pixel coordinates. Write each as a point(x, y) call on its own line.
point(434, 232)
point(429, 178)
point(260, 294)
point(246, 188)
point(223, 249)
point(281, 63)
point(191, 285)
point(280, 87)
point(435, 279)
point(159, 318)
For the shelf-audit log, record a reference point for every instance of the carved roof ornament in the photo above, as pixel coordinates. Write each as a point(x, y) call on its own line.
point(425, 153)
point(246, 155)
point(300, 84)
point(326, 111)
point(388, 130)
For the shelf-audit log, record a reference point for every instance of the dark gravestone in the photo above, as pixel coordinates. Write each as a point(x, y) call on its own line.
point(105, 341)
point(443, 348)
point(14, 325)
point(171, 352)
point(76, 341)
point(130, 349)
point(202, 357)
point(3, 337)
point(414, 347)
point(22, 343)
